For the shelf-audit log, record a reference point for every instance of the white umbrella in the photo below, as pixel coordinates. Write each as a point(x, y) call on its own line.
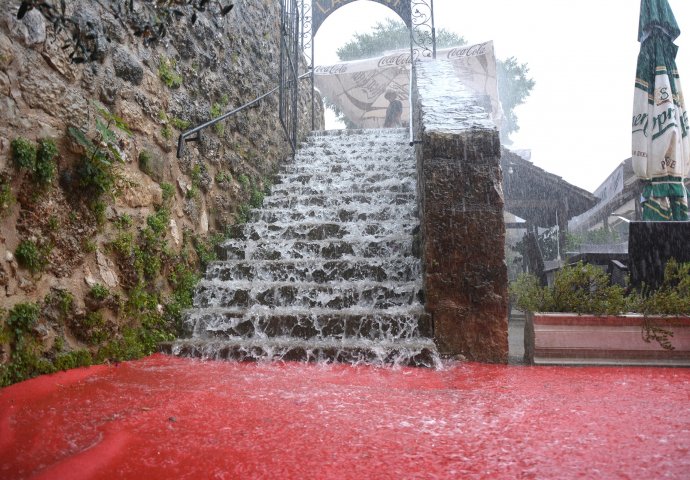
point(660, 144)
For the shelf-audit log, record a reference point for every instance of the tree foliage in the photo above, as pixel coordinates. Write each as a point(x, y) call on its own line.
point(514, 83)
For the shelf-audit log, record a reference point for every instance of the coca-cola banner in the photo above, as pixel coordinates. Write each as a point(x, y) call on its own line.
point(321, 9)
point(358, 88)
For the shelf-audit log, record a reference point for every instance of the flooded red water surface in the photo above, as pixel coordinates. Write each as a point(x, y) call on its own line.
point(170, 418)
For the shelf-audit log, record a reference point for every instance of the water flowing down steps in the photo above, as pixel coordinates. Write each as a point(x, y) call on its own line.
point(327, 269)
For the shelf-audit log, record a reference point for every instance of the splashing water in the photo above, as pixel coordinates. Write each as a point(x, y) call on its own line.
point(325, 270)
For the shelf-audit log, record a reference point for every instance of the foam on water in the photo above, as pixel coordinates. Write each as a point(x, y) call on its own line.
point(325, 270)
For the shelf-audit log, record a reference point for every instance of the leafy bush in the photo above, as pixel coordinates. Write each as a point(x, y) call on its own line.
point(584, 288)
point(95, 171)
point(179, 123)
point(145, 162)
point(158, 222)
point(45, 166)
point(167, 73)
point(6, 197)
point(94, 328)
point(123, 222)
point(217, 111)
point(73, 359)
point(168, 191)
point(673, 297)
point(99, 292)
point(22, 317)
point(25, 363)
point(23, 153)
point(64, 300)
point(257, 198)
point(31, 256)
point(244, 181)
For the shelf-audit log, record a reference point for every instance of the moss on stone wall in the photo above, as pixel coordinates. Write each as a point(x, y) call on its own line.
point(103, 230)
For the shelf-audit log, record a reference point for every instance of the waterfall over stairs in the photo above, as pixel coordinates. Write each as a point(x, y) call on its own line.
point(327, 269)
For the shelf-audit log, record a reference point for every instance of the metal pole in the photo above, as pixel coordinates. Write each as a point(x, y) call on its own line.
point(412, 67)
point(433, 30)
point(313, 114)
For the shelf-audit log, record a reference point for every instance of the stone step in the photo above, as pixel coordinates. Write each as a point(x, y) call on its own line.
point(349, 213)
point(343, 163)
point(417, 353)
point(310, 230)
point(394, 246)
point(388, 324)
point(399, 269)
point(364, 294)
point(355, 132)
point(371, 185)
point(338, 200)
point(402, 172)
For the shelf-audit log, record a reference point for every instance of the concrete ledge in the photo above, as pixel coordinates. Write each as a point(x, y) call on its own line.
point(571, 339)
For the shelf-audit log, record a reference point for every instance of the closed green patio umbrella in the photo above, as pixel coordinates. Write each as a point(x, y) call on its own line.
point(660, 143)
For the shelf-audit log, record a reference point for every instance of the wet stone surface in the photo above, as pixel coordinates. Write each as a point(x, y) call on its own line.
point(461, 210)
point(326, 269)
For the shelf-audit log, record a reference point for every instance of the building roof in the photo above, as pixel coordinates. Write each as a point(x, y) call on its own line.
point(536, 195)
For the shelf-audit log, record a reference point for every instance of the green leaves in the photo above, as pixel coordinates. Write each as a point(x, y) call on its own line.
point(22, 317)
point(584, 288)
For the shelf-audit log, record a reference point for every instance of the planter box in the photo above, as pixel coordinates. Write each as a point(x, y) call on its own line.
point(571, 339)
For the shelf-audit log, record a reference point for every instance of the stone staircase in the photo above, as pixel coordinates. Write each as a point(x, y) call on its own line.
point(326, 270)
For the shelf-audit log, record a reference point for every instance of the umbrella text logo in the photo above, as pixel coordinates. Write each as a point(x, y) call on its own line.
point(640, 123)
point(662, 96)
point(663, 122)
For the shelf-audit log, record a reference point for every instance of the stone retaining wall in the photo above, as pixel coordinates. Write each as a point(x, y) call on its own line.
point(461, 212)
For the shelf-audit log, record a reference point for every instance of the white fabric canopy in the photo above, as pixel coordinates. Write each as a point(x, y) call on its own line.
point(358, 87)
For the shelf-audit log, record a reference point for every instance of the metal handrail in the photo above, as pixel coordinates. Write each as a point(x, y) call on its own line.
point(411, 122)
point(183, 138)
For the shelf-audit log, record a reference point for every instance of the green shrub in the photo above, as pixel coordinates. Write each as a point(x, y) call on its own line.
point(65, 301)
point(243, 213)
point(673, 296)
point(584, 288)
point(95, 174)
point(205, 251)
point(23, 153)
point(244, 181)
point(45, 166)
point(158, 222)
point(98, 208)
point(217, 111)
point(73, 359)
point(179, 123)
point(222, 177)
point(6, 197)
point(145, 162)
point(168, 191)
point(31, 256)
point(127, 347)
point(123, 222)
point(140, 301)
point(95, 170)
point(25, 363)
point(257, 198)
point(166, 132)
point(95, 330)
point(579, 288)
point(123, 243)
point(22, 317)
point(99, 292)
point(167, 73)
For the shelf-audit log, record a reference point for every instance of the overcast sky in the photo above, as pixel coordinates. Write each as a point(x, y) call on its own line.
point(581, 53)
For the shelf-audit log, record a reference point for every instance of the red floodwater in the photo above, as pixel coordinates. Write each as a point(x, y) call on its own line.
point(170, 418)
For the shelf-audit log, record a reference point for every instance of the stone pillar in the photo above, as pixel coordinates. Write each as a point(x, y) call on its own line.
point(461, 214)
